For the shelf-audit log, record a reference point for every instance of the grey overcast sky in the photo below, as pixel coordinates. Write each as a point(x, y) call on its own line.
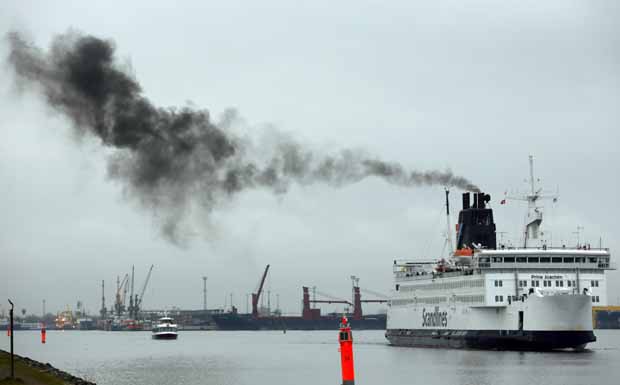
point(474, 86)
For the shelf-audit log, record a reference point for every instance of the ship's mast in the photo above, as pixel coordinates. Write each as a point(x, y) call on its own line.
point(532, 174)
point(534, 211)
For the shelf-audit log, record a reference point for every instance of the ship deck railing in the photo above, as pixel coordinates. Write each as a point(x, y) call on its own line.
point(551, 248)
point(413, 276)
point(546, 265)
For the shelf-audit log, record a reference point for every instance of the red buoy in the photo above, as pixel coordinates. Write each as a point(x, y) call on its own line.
point(346, 352)
point(8, 331)
point(43, 333)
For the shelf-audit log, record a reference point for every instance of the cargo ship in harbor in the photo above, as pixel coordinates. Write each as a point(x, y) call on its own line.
point(310, 319)
point(533, 297)
point(606, 317)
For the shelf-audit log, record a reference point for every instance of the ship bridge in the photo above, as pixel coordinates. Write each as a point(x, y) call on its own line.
point(544, 258)
point(511, 273)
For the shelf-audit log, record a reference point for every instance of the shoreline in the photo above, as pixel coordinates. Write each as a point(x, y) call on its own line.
point(29, 371)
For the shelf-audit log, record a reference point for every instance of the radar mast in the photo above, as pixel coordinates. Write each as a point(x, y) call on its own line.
point(534, 209)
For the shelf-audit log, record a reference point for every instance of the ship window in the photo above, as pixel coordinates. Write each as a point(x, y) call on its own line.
point(496, 259)
point(569, 259)
point(509, 259)
point(521, 259)
point(594, 283)
point(574, 284)
point(532, 260)
point(556, 260)
point(545, 259)
point(592, 260)
point(568, 283)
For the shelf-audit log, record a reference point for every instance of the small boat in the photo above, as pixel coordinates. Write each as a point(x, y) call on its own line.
point(165, 329)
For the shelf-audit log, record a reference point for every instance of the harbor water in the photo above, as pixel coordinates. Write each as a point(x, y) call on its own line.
point(305, 358)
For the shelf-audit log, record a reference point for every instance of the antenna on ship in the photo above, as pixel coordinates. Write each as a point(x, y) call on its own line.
point(534, 211)
point(578, 233)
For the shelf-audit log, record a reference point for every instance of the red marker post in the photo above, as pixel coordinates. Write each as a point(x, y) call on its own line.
point(346, 352)
point(43, 333)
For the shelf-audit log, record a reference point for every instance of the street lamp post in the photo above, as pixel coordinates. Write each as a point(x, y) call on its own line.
point(11, 328)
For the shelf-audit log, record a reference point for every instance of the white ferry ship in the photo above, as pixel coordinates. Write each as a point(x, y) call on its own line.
point(530, 298)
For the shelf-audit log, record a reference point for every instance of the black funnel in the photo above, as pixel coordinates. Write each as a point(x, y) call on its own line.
point(465, 201)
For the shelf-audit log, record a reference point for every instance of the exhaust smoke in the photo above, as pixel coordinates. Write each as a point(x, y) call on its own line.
point(171, 158)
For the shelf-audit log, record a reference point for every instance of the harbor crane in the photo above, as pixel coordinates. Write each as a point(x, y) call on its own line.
point(104, 310)
point(121, 291)
point(357, 298)
point(256, 296)
point(308, 312)
point(139, 298)
point(131, 309)
point(331, 299)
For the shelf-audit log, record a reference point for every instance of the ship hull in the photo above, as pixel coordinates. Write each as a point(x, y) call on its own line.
point(247, 322)
point(165, 336)
point(491, 339)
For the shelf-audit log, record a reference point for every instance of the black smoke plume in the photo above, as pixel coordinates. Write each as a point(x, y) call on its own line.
point(171, 158)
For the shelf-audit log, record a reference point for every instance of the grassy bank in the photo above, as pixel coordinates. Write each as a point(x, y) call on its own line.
point(29, 372)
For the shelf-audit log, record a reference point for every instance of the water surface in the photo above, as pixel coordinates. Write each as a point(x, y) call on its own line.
point(305, 358)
